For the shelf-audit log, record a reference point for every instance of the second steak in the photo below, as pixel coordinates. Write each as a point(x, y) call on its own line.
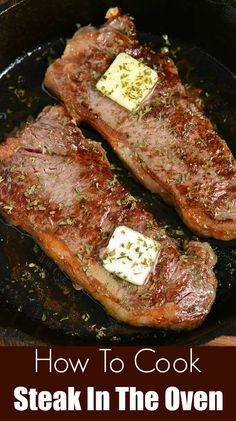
point(169, 144)
point(58, 186)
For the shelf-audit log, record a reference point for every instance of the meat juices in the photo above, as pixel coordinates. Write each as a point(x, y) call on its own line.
point(168, 144)
point(58, 186)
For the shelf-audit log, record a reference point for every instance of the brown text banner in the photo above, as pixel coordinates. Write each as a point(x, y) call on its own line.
point(104, 382)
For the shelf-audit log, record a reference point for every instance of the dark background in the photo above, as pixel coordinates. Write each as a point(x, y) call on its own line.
point(207, 23)
point(210, 24)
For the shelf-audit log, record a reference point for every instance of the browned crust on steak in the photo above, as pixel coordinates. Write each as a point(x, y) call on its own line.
point(58, 186)
point(170, 146)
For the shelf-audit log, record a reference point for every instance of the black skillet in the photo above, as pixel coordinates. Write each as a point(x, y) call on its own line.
point(37, 301)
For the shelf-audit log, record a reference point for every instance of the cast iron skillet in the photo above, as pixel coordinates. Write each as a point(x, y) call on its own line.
point(37, 300)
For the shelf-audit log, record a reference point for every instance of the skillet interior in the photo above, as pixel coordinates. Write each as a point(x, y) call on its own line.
point(29, 281)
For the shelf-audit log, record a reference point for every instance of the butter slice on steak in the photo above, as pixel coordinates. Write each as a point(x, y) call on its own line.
point(58, 186)
point(169, 144)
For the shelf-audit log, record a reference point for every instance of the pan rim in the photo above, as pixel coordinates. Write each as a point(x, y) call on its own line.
point(19, 2)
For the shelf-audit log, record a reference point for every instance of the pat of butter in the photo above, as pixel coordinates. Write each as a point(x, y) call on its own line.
point(127, 81)
point(130, 255)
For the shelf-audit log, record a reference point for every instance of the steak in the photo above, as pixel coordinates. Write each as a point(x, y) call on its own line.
point(59, 187)
point(169, 144)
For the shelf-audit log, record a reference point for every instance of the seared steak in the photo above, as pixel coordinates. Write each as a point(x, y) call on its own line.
point(58, 186)
point(169, 144)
